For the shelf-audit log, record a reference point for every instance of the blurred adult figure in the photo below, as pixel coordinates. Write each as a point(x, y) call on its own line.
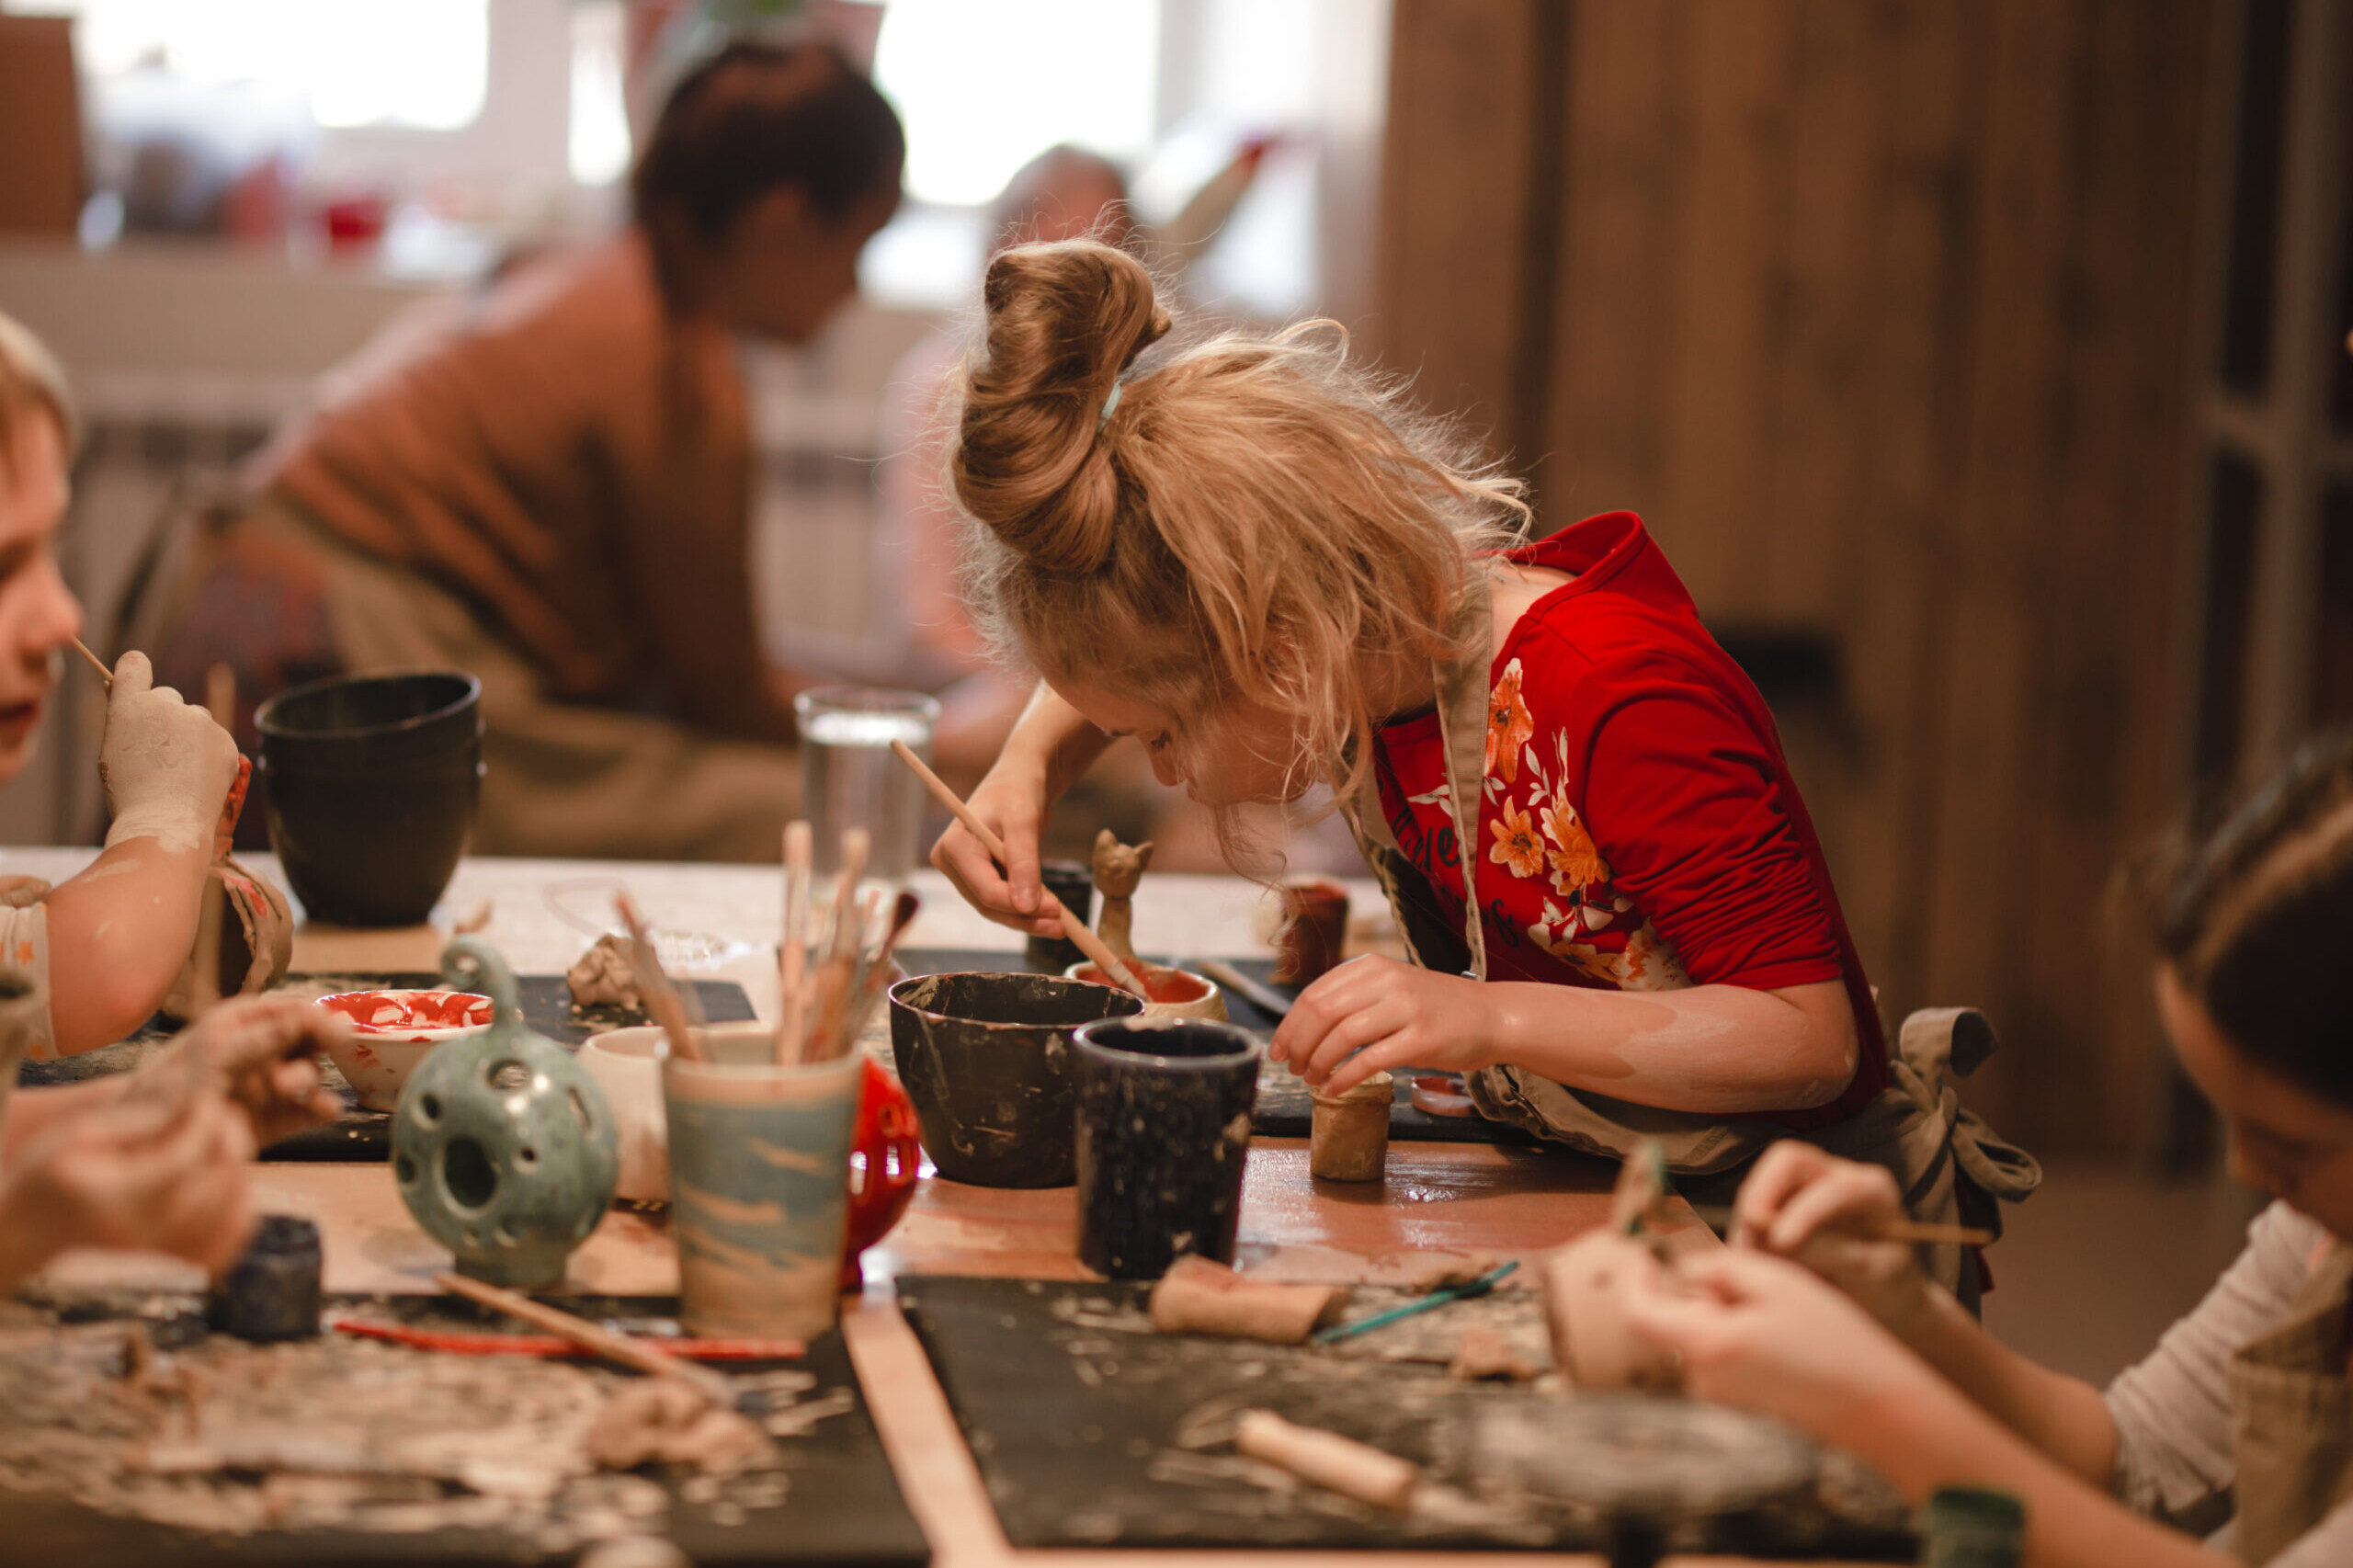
point(551, 487)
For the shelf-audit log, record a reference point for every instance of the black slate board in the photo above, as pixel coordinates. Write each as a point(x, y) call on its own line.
point(842, 1506)
point(1284, 1110)
point(1091, 1430)
point(361, 1135)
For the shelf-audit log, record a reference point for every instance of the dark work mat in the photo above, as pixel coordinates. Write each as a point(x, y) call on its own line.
point(1091, 1430)
point(1284, 1109)
point(360, 1134)
point(841, 1502)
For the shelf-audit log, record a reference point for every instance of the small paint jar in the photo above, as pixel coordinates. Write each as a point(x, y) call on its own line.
point(1073, 886)
point(271, 1292)
point(1314, 932)
point(1349, 1140)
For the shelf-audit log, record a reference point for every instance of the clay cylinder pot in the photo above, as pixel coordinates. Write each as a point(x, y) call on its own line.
point(372, 783)
point(987, 1060)
point(1314, 932)
point(1349, 1140)
point(1164, 1128)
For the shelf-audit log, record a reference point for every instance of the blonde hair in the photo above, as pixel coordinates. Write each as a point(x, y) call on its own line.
point(31, 384)
point(1255, 515)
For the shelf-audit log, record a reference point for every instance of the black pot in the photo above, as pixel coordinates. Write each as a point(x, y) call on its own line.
point(1163, 1132)
point(1073, 885)
point(373, 783)
point(987, 1060)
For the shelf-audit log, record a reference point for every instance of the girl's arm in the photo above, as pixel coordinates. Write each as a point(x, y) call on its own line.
point(1051, 746)
point(119, 935)
point(1714, 1049)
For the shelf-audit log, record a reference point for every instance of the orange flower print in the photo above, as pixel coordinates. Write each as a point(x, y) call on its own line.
point(1510, 726)
point(1576, 862)
point(1516, 844)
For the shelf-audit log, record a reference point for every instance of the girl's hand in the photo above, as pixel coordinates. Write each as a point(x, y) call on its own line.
point(1822, 1210)
point(1390, 1014)
point(1764, 1334)
point(263, 1053)
point(1012, 800)
point(119, 1175)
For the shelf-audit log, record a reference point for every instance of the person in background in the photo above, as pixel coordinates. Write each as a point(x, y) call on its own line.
point(2241, 1412)
point(552, 490)
point(154, 1158)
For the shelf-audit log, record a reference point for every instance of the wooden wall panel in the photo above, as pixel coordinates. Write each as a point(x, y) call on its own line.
point(1878, 310)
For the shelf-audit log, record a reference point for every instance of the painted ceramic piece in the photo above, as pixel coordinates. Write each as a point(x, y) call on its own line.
point(1169, 992)
point(391, 1031)
point(503, 1148)
point(760, 1188)
point(987, 1060)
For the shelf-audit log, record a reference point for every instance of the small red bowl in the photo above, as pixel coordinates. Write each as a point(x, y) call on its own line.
point(391, 1031)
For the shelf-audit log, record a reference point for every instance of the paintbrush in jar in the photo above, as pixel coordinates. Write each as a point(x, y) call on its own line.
point(794, 956)
point(1078, 931)
point(875, 977)
point(661, 996)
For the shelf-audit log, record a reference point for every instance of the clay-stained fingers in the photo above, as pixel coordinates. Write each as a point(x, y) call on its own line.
point(1339, 993)
point(1844, 1197)
point(959, 855)
point(133, 678)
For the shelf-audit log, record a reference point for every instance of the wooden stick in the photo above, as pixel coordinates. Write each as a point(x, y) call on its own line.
point(857, 845)
point(661, 998)
point(96, 663)
point(1075, 929)
point(1352, 1468)
point(1921, 1233)
point(878, 973)
point(1266, 998)
point(792, 1016)
point(621, 1349)
point(221, 695)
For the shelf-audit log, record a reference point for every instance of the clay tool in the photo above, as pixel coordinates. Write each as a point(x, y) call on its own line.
point(618, 1348)
point(661, 996)
point(558, 1347)
point(1078, 930)
point(96, 663)
point(1352, 1468)
point(1920, 1232)
point(1436, 1299)
point(794, 956)
point(1266, 998)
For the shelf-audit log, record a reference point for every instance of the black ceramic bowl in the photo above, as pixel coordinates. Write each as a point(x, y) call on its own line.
point(372, 783)
point(987, 1059)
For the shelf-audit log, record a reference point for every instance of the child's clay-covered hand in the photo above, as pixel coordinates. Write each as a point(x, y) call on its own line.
point(1012, 801)
point(137, 1172)
point(167, 766)
point(1821, 1210)
point(262, 1053)
point(1373, 1014)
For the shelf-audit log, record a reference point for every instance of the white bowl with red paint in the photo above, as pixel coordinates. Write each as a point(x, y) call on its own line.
point(391, 1031)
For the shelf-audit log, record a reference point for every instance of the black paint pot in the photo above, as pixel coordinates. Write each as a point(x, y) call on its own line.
point(373, 782)
point(988, 1061)
point(1164, 1128)
point(271, 1292)
point(1073, 885)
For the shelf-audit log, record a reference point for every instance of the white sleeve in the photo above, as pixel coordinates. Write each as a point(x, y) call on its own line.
point(2174, 1457)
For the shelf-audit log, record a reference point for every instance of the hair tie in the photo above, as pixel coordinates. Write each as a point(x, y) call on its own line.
point(1109, 405)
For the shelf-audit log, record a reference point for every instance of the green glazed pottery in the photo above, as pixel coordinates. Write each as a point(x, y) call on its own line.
point(503, 1148)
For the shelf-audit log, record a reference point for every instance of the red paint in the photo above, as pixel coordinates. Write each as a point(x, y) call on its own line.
point(395, 1012)
point(1172, 987)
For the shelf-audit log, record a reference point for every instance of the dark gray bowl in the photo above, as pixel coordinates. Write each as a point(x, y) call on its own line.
point(373, 782)
point(988, 1061)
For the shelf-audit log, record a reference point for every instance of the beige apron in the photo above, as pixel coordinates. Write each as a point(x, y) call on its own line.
point(2292, 1417)
point(1917, 1127)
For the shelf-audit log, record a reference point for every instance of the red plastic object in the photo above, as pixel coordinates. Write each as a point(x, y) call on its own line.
point(885, 1161)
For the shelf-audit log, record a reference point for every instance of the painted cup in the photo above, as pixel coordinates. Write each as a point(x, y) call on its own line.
point(1168, 993)
point(1164, 1130)
point(760, 1168)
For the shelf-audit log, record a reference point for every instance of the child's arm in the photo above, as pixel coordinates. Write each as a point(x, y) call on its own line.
point(120, 933)
point(1715, 1049)
point(1051, 745)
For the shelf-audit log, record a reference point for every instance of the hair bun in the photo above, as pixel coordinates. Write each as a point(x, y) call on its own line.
point(1064, 321)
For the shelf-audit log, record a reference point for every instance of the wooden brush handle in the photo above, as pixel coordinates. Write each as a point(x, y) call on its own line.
point(618, 1348)
point(1078, 930)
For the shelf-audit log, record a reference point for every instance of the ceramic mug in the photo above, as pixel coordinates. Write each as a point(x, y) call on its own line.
point(1164, 1130)
point(759, 1169)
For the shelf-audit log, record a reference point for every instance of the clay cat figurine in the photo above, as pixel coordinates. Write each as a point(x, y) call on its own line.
point(1117, 870)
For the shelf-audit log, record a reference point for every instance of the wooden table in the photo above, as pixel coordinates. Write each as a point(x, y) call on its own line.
point(1509, 1201)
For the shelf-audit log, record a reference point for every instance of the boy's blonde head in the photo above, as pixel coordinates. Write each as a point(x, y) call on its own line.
point(32, 387)
point(1258, 519)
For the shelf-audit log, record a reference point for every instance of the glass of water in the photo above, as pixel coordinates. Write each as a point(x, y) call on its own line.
point(849, 777)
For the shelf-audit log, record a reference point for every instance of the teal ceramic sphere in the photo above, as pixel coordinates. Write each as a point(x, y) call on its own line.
point(503, 1148)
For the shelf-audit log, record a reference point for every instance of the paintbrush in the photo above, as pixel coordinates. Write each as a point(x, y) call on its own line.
point(96, 663)
point(661, 996)
point(618, 1348)
point(876, 977)
point(1266, 998)
point(1438, 1298)
point(792, 1013)
point(1920, 1232)
point(1074, 928)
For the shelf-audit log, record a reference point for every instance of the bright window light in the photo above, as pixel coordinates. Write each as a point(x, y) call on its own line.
point(415, 62)
point(984, 88)
point(600, 141)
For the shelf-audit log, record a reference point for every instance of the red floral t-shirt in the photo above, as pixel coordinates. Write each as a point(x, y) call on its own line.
point(1639, 829)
